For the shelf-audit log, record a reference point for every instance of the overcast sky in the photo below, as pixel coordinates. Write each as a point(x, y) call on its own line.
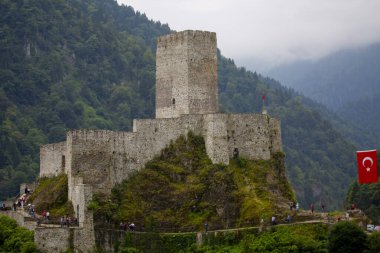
point(272, 31)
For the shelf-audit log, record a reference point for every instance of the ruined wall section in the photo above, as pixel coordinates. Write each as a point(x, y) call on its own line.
point(53, 159)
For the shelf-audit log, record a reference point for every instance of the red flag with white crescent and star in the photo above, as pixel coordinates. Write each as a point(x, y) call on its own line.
point(367, 166)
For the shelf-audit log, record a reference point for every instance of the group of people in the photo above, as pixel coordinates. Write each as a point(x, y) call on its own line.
point(30, 210)
point(125, 226)
point(67, 221)
point(323, 208)
point(296, 206)
point(274, 220)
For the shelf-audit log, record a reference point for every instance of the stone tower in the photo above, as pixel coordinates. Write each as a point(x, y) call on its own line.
point(186, 74)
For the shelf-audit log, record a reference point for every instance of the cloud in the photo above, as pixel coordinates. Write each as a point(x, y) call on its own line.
point(273, 31)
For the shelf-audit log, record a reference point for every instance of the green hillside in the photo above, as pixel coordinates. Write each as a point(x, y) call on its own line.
point(91, 64)
point(181, 190)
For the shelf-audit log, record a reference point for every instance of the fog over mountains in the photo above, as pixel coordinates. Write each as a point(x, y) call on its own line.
point(347, 82)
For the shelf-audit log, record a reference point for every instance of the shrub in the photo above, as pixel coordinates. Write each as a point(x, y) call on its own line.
point(346, 237)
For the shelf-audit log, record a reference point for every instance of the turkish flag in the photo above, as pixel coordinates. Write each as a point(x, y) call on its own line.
point(367, 166)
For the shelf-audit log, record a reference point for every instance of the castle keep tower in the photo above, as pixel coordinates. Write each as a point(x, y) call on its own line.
point(186, 74)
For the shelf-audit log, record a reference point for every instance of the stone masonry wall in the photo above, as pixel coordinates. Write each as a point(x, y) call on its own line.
point(249, 133)
point(104, 158)
point(203, 73)
point(186, 74)
point(215, 135)
point(52, 159)
point(62, 239)
point(255, 136)
point(52, 239)
point(275, 135)
point(30, 186)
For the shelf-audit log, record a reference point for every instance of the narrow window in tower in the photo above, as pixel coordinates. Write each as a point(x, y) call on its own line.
point(173, 101)
point(63, 162)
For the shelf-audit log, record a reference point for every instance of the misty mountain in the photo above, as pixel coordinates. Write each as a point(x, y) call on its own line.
point(346, 76)
point(347, 82)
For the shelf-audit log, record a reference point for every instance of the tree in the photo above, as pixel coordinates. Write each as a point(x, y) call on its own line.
point(346, 237)
point(373, 243)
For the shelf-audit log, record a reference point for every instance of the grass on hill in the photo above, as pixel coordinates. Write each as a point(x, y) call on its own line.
point(182, 190)
point(51, 194)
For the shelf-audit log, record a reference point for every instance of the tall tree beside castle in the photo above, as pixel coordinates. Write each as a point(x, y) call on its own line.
point(90, 64)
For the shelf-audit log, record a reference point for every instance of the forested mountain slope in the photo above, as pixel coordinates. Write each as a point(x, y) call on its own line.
point(91, 64)
point(336, 79)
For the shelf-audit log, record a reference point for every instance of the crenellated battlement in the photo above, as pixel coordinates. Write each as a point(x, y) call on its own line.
point(180, 37)
point(96, 134)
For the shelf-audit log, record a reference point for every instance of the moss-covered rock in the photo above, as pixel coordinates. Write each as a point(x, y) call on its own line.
point(182, 190)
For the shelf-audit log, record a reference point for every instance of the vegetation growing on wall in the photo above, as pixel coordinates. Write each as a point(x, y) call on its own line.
point(182, 190)
point(367, 198)
point(15, 239)
point(51, 195)
point(295, 238)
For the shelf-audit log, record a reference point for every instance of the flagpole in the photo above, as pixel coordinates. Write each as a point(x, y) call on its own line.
point(263, 98)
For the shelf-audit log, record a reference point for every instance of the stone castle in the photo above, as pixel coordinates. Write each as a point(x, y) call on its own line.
point(186, 100)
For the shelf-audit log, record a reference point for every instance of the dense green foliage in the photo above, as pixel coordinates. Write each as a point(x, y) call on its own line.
point(346, 237)
point(367, 198)
point(295, 238)
point(306, 238)
point(373, 243)
point(90, 64)
point(68, 64)
point(182, 190)
point(14, 238)
point(51, 195)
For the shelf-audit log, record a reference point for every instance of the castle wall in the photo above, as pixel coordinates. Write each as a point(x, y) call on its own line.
point(104, 158)
point(186, 74)
point(275, 135)
point(249, 133)
point(215, 133)
point(62, 239)
point(255, 136)
point(52, 159)
point(52, 239)
point(30, 186)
